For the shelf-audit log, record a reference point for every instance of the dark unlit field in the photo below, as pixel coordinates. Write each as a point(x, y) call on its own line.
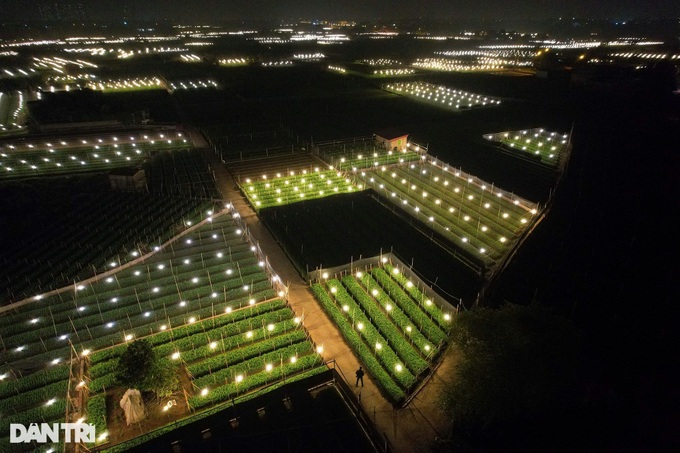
point(335, 230)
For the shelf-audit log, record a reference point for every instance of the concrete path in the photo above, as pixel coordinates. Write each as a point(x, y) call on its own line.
point(410, 429)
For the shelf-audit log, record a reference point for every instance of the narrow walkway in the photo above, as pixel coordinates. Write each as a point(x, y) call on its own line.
point(409, 429)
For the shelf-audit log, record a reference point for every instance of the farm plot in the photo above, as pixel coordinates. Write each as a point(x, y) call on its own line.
point(101, 231)
point(208, 300)
point(250, 141)
point(540, 144)
point(183, 172)
point(475, 216)
point(441, 95)
point(294, 187)
point(192, 84)
point(274, 166)
point(12, 108)
point(137, 84)
point(364, 153)
point(395, 329)
point(87, 154)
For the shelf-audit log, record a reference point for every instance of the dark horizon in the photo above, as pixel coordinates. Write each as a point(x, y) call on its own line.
point(210, 11)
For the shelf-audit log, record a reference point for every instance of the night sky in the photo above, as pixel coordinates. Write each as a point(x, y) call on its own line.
point(215, 10)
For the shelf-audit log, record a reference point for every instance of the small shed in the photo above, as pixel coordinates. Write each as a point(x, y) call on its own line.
point(392, 138)
point(127, 179)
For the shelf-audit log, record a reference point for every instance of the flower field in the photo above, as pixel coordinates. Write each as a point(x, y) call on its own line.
point(208, 299)
point(294, 187)
point(85, 154)
point(474, 215)
point(546, 146)
point(395, 330)
point(441, 95)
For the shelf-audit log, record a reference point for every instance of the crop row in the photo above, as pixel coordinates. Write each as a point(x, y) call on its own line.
point(420, 297)
point(141, 325)
point(286, 372)
point(290, 189)
point(441, 95)
point(214, 366)
point(24, 384)
point(209, 342)
point(32, 398)
point(468, 216)
point(183, 172)
point(171, 309)
point(254, 364)
point(406, 327)
point(96, 413)
point(165, 342)
point(548, 146)
point(366, 354)
point(89, 141)
point(460, 206)
point(48, 162)
point(384, 348)
point(44, 413)
point(234, 317)
point(414, 312)
point(374, 160)
point(110, 304)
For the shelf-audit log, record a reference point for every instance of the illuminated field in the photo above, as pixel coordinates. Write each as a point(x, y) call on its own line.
point(365, 154)
point(209, 303)
point(473, 215)
point(12, 108)
point(145, 83)
point(91, 153)
point(537, 143)
point(478, 60)
point(193, 84)
point(441, 95)
point(281, 189)
point(394, 328)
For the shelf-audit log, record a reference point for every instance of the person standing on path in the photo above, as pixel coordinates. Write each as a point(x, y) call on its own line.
point(360, 377)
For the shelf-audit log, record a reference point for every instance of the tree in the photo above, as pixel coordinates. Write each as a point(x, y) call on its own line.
point(140, 368)
point(519, 367)
point(135, 363)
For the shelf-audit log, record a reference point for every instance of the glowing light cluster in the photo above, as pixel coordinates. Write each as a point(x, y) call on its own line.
point(233, 61)
point(192, 84)
point(394, 72)
point(379, 62)
point(337, 69)
point(538, 143)
point(294, 187)
point(442, 95)
point(126, 84)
